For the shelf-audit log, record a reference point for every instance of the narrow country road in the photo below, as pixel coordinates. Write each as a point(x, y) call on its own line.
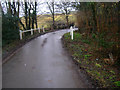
point(43, 63)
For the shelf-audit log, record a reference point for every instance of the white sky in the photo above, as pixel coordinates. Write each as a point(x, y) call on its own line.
point(43, 7)
point(69, 0)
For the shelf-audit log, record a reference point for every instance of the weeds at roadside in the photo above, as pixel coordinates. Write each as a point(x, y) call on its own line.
point(83, 51)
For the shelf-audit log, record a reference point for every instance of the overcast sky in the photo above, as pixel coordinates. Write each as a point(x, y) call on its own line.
point(43, 7)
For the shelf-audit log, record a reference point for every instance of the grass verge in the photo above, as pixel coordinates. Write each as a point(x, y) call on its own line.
point(83, 52)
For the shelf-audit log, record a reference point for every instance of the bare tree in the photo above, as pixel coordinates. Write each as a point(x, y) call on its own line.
point(32, 6)
point(9, 8)
point(13, 8)
point(18, 11)
point(65, 8)
point(36, 14)
point(33, 15)
point(51, 6)
point(26, 14)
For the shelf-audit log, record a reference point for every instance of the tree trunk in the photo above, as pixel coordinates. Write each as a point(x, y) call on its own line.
point(67, 20)
point(26, 15)
point(53, 15)
point(18, 11)
point(98, 29)
point(29, 18)
point(53, 22)
point(67, 17)
point(22, 24)
point(9, 9)
point(51, 8)
point(14, 8)
point(118, 6)
point(33, 21)
point(94, 16)
point(36, 14)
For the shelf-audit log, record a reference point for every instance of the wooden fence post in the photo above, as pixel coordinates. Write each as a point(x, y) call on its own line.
point(71, 32)
point(20, 34)
point(31, 31)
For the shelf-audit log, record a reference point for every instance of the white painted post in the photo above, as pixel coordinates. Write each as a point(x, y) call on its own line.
point(71, 32)
point(39, 30)
point(31, 31)
point(43, 29)
point(20, 34)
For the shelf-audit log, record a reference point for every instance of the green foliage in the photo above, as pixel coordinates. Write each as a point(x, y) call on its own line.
point(86, 56)
point(117, 83)
point(77, 35)
point(97, 73)
point(93, 35)
point(96, 20)
point(102, 41)
point(86, 41)
point(67, 36)
point(76, 55)
point(10, 31)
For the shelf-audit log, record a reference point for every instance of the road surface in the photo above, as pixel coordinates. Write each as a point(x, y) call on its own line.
point(43, 63)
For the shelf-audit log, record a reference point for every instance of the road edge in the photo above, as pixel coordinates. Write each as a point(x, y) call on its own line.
point(17, 48)
point(90, 78)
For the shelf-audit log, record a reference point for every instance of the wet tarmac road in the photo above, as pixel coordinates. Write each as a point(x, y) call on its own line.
point(42, 63)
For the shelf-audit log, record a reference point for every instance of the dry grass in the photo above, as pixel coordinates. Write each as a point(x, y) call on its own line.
point(46, 20)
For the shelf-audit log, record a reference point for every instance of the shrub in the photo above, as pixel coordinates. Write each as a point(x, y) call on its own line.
point(9, 29)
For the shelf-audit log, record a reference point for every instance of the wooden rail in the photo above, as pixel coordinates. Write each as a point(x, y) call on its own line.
point(31, 30)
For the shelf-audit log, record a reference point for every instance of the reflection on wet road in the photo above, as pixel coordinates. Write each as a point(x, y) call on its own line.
point(42, 63)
